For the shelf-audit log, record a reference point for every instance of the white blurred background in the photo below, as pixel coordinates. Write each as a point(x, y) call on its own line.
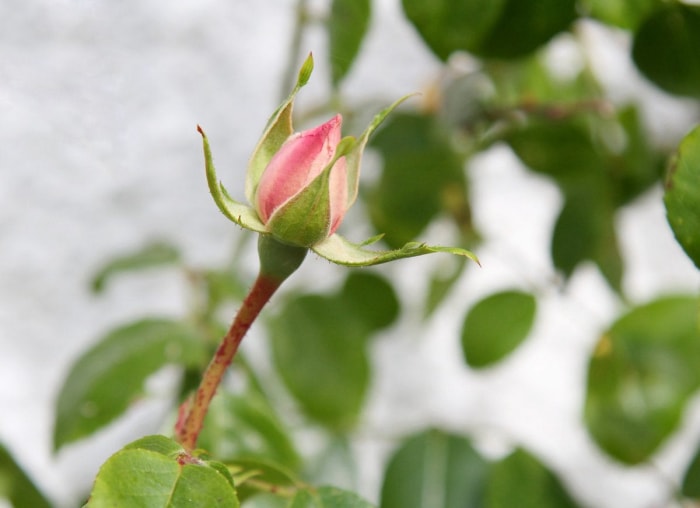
point(99, 154)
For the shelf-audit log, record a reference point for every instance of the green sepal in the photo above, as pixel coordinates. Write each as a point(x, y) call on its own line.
point(343, 252)
point(304, 220)
point(241, 214)
point(354, 155)
point(278, 260)
point(278, 129)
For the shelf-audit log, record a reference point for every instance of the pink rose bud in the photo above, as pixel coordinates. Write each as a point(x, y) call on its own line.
point(299, 161)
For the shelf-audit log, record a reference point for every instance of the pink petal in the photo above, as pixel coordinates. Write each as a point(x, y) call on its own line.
point(300, 159)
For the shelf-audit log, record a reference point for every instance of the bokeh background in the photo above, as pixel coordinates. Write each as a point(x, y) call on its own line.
point(99, 155)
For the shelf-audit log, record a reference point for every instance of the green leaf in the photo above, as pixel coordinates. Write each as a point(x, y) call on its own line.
point(16, 486)
point(638, 166)
point(319, 350)
point(682, 198)
point(249, 474)
point(522, 27)
point(640, 377)
point(110, 376)
point(441, 283)
point(157, 473)
point(666, 48)
point(327, 335)
point(327, 497)
point(521, 480)
point(627, 14)
point(347, 26)
point(434, 469)
point(340, 251)
point(420, 168)
point(584, 231)
point(371, 299)
point(585, 228)
point(691, 479)
point(496, 325)
point(304, 499)
point(563, 151)
point(245, 427)
point(447, 26)
point(150, 256)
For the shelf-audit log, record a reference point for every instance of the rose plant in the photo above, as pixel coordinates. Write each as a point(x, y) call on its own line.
point(300, 185)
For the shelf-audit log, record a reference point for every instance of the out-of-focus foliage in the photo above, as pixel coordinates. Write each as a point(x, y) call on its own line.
point(667, 48)
point(642, 373)
point(496, 325)
point(15, 486)
point(438, 469)
point(320, 370)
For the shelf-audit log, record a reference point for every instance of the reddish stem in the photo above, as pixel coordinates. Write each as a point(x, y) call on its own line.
point(188, 428)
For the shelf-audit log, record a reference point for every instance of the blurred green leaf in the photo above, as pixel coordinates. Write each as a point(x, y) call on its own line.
point(585, 231)
point(421, 176)
point(110, 376)
point(638, 166)
point(691, 479)
point(327, 497)
point(666, 48)
point(585, 228)
point(640, 377)
point(522, 27)
point(16, 486)
point(447, 26)
point(347, 26)
point(304, 499)
point(441, 283)
point(319, 350)
point(434, 469)
point(155, 473)
point(627, 14)
point(319, 346)
point(245, 427)
point(497, 325)
point(563, 151)
point(371, 299)
point(682, 198)
point(249, 474)
point(521, 480)
point(150, 256)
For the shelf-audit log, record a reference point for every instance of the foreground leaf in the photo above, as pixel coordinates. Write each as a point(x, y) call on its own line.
point(16, 486)
point(682, 198)
point(434, 469)
point(496, 325)
point(641, 375)
point(155, 472)
point(110, 376)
